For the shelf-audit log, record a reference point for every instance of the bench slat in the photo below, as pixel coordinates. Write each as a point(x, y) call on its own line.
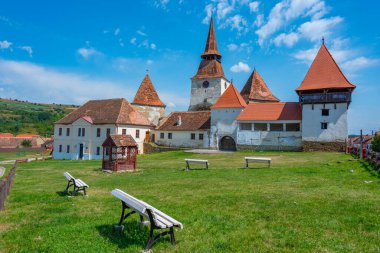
point(131, 202)
point(68, 176)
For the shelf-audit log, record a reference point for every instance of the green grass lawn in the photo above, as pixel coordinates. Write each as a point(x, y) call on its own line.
point(307, 202)
point(4, 156)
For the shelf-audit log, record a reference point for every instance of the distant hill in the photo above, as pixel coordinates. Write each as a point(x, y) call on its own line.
point(35, 118)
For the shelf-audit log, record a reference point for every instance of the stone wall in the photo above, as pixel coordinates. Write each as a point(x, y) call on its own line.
point(150, 147)
point(14, 142)
point(374, 159)
point(323, 146)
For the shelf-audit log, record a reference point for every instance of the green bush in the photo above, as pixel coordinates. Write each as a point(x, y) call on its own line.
point(26, 143)
point(376, 143)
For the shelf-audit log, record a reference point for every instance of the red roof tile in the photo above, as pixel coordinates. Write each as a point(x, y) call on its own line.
point(211, 47)
point(147, 94)
point(209, 68)
point(231, 98)
point(324, 73)
point(107, 111)
point(271, 111)
point(186, 121)
point(256, 90)
point(6, 135)
point(26, 135)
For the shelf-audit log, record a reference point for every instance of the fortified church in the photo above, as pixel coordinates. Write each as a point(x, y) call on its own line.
point(219, 116)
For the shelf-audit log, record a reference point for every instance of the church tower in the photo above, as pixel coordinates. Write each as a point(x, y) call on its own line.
point(209, 83)
point(325, 95)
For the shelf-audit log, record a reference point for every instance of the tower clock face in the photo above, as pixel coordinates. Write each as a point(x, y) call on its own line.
point(205, 84)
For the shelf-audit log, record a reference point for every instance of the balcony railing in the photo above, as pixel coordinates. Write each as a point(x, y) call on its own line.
point(334, 97)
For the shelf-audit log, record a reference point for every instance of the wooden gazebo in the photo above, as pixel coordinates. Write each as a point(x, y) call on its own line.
point(119, 153)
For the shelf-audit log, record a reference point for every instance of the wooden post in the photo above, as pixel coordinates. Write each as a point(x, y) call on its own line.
point(361, 144)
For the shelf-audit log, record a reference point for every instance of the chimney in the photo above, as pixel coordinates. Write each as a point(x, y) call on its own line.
point(179, 121)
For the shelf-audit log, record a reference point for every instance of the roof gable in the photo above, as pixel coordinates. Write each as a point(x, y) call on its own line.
point(119, 140)
point(256, 90)
point(271, 111)
point(231, 98)
point(147, 94)
point(108, 111)
point(324, 73)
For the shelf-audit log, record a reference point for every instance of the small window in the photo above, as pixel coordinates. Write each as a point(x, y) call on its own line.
point(261, 127)
point(246, 126)
point(192, 136)
point(162, 135)
point(225, 85)
point(79, 131)
point(323, 125)
point(108, 131)
point(98, 131)
point(124, 131)
point(67, 131)
point(60, 148)
point(293, 127)
point(325, 112)
point(170, 135)
point(83, 131)
point(137, 134)
point(201, 136)
point(276, 127)
point(97, 150)
point(205, 84)
point(60, 131)
point(68, 149)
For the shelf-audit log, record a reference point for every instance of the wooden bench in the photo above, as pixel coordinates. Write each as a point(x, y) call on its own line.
point(196, 161)
point(157, 219)
point(78, 184)
point(257, 160)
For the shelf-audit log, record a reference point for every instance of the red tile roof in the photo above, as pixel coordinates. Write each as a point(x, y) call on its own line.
point(271, 111)
point(209, 68)
point(231, 98)
point(147, 94)
point(6, 135)
point(324, 73)
point(108, 111)
point(256, 90)
point(186, 121)
point(211, 47)
point(26, 135)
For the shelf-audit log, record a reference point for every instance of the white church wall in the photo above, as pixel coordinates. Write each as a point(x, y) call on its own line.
point(336, 123)
point(182, 139)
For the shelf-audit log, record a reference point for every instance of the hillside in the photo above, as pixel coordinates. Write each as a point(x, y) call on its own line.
point(25, 117)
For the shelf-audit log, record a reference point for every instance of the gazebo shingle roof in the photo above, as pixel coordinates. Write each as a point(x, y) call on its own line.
point(107, 111)
point(123, 140)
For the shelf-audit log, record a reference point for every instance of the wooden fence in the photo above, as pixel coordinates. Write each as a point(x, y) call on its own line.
point(6, 184)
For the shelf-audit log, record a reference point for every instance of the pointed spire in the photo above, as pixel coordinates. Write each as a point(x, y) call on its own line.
point(256, 90)
point(211, 48)
point(147, 94)
point(324, 73)
point(231, 98)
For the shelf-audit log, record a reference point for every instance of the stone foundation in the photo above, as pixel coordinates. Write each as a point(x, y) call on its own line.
point(324, 146)
point(150, 147)
point(267, 148)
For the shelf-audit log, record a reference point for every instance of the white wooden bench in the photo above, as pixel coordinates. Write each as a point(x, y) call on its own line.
point(157, 219)
point(257, 160)
point(78, 184)
point(196, 161)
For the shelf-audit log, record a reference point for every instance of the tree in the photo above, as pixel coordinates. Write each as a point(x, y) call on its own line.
point(26, 143)
point(376, 143)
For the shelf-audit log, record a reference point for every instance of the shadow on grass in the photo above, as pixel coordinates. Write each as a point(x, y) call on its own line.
point(133, 234)
point(63, 193)
point(368, 167)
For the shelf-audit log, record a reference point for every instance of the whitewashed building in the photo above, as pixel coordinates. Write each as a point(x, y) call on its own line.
point(81, 133)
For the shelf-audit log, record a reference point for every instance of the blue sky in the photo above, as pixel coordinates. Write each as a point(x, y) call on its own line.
point(70, 52)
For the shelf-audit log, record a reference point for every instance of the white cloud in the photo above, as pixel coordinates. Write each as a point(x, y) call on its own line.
point(238, 23)
point(87, 53)
point(254, 6)
point(141, 33)
point(259, 20)
point(314, 30)
point(121, 42)
point(240, 67)
point(241, 47)
point(171, 105)
point(28, 49)
point(232, 47)
point(209, 9)
point(286, 39)
point(161, 3)
point(117, 31)
point(153, 46)
point(28, 81)
point(133, 41)
point(359, 63)
point(5, 44)
point(149, 62)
